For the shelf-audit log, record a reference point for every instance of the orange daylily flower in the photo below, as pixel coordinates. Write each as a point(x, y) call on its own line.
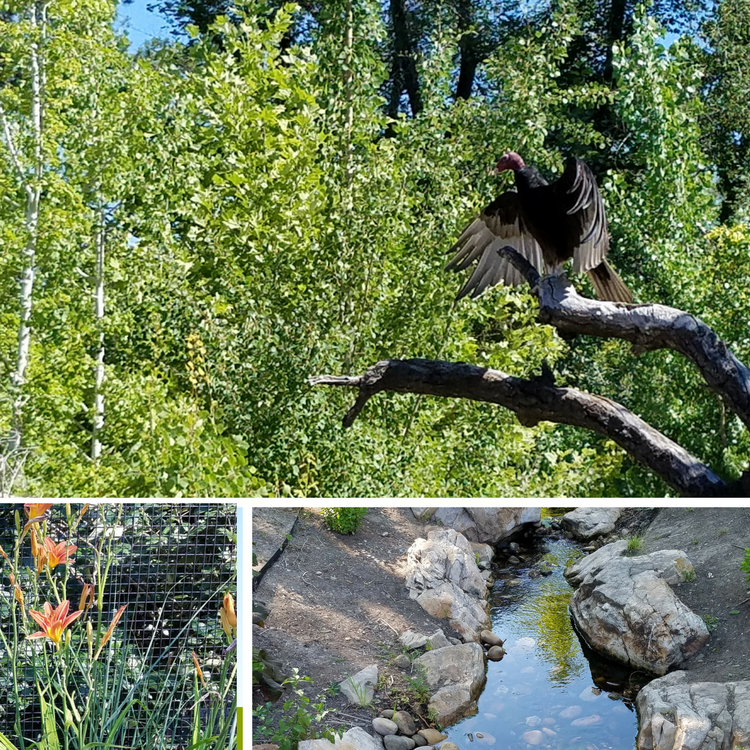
point(36, 510)
point(228, 616)
point(110, 630)
point(7, 559)
point(53, 622)
point(58, 553)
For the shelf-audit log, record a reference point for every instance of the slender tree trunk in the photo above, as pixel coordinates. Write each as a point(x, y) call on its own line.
point(31, 220)
point(404, 64)
point(98, 422)
point(468, 44)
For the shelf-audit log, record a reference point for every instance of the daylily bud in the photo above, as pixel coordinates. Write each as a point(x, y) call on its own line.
point(199, 670)
point(67, 637)
point(90, 637)
point(34, 544)
point(19, 595)
point(2, 552)
point(228, 616)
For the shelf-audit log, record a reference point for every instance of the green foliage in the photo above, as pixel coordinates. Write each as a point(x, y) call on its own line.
point(297, 719)
point(745, 565)
point(711, 622)
point(635, 543)
point(343, 520)
point(265, 222)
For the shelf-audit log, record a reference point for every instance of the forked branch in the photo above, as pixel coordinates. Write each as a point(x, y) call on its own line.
point(646, 326)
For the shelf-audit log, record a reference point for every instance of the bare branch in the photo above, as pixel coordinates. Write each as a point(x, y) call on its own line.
point(533, 402)
point(647, 327)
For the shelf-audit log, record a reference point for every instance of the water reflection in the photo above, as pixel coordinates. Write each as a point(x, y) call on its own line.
point(545, 693)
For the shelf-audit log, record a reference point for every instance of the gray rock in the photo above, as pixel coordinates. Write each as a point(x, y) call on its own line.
point(387, 713)
point(674, 714)
point(490, 638)
point(412, 640)
point(397, 742)
point(496, 653)
point(354, 739)
point(587, 523)
point(513, 560)
point(449, 746)
point(360, 688)
point(483, 554)
point(625, 609)
point(384, 726)
point(402, 661)
point(405, 723)
point(419, 741)
point(432, 735)
point(438, 640)
point(455, 676)
point(486, 525)
point(442, 575)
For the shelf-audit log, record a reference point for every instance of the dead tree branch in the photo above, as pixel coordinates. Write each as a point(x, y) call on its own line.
point(533, 402)
point(647, 327)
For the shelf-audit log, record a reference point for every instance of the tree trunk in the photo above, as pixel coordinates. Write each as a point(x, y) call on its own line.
point(404, 70)
point(98, 421)
point(33, 190)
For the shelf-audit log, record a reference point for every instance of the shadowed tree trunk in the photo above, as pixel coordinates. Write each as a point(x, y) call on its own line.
point(404, 68)
point(647, 327)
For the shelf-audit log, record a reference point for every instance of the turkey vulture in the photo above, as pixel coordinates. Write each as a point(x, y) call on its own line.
point(546, 223)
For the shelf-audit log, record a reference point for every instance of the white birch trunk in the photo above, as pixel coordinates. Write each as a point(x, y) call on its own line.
point(96, 445)
point(31, 219)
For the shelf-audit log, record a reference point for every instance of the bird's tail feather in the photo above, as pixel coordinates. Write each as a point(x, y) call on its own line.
point(608, 285)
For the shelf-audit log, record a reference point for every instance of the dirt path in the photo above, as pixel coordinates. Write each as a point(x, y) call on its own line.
point(715, 540)
point(337, 603)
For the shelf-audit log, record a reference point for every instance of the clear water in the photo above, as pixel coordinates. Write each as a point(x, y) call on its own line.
point(546, 692)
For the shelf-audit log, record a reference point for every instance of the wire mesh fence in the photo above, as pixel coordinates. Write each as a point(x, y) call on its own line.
point(165, 673)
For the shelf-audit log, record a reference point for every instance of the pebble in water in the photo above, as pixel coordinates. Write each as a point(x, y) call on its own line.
point(533, 721)
point(590, 694)
point(533, 737)
point(586, 721)
point(571, 712)
point(548, 731)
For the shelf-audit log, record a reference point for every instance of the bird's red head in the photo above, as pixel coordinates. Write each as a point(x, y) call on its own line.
point(511, 160)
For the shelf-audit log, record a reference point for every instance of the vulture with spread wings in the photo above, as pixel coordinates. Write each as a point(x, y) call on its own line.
point(547, 224)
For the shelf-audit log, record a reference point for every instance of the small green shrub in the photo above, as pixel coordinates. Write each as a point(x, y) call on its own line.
point(295, 719)
point(745, 564)
point(343, 520)
point(711, 622)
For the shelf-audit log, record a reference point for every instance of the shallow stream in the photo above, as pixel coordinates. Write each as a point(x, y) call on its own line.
point(546, 692)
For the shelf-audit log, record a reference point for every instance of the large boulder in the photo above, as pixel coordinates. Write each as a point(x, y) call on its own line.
point(625, 609)
point(674, 714)
point(456, 677)
point(442, 575)
point(588, 523)
point(486, 525)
